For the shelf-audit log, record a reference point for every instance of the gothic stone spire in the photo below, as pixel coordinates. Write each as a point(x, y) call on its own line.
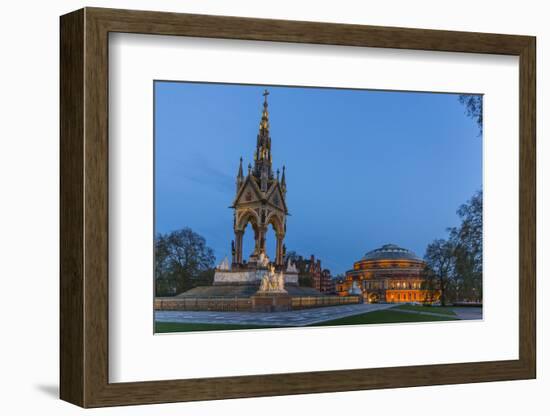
point(240, 176)
point(260, 199)
point(262, 157)
point(283, 181)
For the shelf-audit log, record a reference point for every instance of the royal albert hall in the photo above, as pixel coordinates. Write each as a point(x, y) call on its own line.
point(389, 274)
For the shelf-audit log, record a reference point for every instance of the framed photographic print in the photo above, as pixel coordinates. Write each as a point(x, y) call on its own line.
point(244, 202)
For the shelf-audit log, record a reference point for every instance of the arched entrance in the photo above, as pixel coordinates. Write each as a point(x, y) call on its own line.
point(279, 231)
point(373, 297)
point(249, 240)
point(250, 221)
point(249, 217)
point(271, 242)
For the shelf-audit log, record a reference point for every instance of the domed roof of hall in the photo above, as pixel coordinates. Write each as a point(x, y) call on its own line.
point(391, 252)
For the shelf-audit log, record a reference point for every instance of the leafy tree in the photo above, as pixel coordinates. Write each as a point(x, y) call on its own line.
point(440, 266)
point(206, 277)
point(468, 239)
point(182, 261)
point(455, 265)
point(474, 108)
point(430, 285)
point(305, 280)
point(292, 256)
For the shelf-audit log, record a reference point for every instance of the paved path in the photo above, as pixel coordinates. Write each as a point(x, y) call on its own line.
point(298, 317)
point(463, 314)
point(468, 313)
point(292, 318)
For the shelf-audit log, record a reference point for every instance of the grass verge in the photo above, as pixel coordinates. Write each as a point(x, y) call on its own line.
point(384, 317)
point(163, 327)
point(444, 310)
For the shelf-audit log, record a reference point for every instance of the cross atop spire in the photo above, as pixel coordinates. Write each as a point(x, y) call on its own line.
point(264, 123)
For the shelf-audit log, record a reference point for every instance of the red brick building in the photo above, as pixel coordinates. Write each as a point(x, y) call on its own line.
point(327, 284)
point(320, 278)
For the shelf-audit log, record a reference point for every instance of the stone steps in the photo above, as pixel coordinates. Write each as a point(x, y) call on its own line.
point(240, 291)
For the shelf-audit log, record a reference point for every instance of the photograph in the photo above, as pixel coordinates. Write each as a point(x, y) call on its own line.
point(290, 206)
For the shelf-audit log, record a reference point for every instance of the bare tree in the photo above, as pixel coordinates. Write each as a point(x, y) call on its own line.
point(182, 261)
point(474, 108)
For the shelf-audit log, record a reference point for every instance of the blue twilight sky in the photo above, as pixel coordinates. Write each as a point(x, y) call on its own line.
point(363, 168)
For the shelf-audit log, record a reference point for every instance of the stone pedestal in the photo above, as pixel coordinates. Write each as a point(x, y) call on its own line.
point(271, 302)
point(254, 276)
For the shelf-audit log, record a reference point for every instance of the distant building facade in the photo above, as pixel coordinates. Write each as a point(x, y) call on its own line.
point(341, 286)
point(389, 274)
point(321, 278)
point(313, 269)
point(326, 283)
point(312, 274)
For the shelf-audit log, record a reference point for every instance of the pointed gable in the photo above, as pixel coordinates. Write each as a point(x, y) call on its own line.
point(276, 198)
point(249, 192)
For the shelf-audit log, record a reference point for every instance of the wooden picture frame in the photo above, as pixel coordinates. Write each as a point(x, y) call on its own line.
point(84, 207)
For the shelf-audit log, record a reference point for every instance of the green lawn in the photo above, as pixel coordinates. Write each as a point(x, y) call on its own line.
point(444, 310)
point(161, 327)
point(376, 317)
point(384, 317)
